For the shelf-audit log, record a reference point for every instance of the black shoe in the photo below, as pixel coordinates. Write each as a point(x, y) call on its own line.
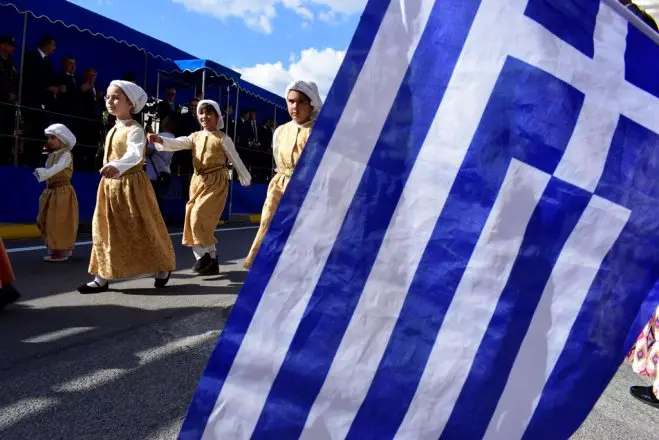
point(203, 263)
point(8, 295)
point(162, 282)
point(212, 269)
point(86, 289)
point(645, 395)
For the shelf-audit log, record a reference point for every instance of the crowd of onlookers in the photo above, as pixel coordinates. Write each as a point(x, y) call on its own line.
point(61, 95)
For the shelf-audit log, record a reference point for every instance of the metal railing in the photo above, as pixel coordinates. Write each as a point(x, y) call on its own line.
point(22, 139)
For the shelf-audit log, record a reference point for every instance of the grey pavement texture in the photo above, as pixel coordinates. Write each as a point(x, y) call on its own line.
point(125, 364)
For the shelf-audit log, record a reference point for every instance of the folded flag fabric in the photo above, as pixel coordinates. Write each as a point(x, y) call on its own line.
point(467, 240)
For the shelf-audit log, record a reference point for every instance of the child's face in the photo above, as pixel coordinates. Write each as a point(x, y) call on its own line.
point(54, 143)
point(299, 106)
point(117, 103)
point(208, 119)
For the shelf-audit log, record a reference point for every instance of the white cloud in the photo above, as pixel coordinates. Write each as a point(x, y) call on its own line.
point(258, 14)
point(316, 65)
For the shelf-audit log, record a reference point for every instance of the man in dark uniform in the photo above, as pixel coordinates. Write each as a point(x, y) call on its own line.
point(40, 90)
point(8, 98)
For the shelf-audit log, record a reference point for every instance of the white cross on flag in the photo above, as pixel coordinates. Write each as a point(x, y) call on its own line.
point(467, 241)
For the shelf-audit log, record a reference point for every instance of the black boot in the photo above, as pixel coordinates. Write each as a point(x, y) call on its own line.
point(203, 263)
point(8, 295)
point(162, 282)
point(645, 395)
point(212, 269)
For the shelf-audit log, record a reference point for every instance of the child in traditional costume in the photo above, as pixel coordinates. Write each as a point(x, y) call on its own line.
point(213, 151)
point(58, 205)
point(129, 235)
point(8, 294)
point(288, 141)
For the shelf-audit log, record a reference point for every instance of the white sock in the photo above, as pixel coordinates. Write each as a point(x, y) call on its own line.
point(198, 252)
point(98, 280)
point(162, 275)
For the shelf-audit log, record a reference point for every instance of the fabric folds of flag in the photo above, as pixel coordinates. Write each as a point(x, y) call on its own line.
point(468, 237)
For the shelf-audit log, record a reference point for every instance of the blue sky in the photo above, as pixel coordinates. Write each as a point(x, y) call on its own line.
point(269, 41)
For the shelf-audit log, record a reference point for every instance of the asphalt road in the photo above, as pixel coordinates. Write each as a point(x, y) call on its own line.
point(124, 365)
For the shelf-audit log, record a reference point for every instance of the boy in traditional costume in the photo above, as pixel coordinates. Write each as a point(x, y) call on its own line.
point(8, 294)
point(130, 237)
point(213, 151)
point(288, 141)
point(58, 204)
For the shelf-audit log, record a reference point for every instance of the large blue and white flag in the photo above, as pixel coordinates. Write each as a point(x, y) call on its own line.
point(468, 238)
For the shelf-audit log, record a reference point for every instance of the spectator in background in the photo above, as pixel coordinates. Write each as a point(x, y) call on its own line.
point(266, 131)
point(254, 139)
point(91, 127)
point(39, 95)
point(168, 106)
point(189, 123)
point(244, 129)
point(68, 98)
point(182, 160)
point(8, 97)
point(158, 162)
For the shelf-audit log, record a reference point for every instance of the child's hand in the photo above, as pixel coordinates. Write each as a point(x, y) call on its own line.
point(109, 172)
point(153, 139)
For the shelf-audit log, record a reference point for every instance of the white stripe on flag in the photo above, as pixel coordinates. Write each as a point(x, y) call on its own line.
point(574, 272)
point(437, 165)
point(284, 301)
point(598, 119)
point(474, 302)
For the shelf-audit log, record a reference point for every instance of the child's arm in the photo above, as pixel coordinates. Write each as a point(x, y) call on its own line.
point(169, 144)
point(135, 145)
point(275, 153)
point(46, 173)
point(230, 149)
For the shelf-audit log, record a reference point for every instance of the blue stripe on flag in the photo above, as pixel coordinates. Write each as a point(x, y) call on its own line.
point(335, 297)
point(637, 53)
point(554, 218)
point(573, 21)
point(224, 354)
point(596, 346)
point(530, 116)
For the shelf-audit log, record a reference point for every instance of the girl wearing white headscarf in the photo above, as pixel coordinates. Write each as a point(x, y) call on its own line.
point(58, 204)
point(213, 154)
point(129, 235)
point(304, 104)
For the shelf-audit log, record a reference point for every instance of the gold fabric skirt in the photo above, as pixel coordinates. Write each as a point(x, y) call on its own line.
point(208, 195)
point(58, 217)
point(276, 190)
point(130, 237)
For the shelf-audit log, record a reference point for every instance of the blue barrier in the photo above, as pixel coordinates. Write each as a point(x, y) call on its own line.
point(20, 191)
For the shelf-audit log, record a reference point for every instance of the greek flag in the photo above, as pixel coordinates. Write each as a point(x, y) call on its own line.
point(468, 238)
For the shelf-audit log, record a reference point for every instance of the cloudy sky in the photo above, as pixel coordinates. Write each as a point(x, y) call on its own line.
point(268, 41)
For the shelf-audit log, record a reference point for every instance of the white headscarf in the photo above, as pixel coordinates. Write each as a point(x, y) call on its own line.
point(216, 106)
point(310, 89)
point(134, 93)
point(63, 134)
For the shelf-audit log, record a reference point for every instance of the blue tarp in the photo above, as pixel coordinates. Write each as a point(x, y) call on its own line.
point(72, 16)
point(197, 65)
point(262, 94)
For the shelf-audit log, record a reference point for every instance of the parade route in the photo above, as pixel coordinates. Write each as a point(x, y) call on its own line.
point(124, 364)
